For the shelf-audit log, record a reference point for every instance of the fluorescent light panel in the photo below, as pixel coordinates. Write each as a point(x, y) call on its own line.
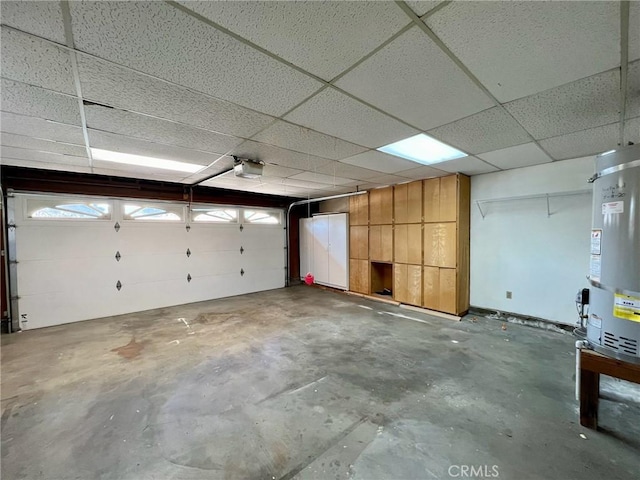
point(142, 161)
point(422, 149)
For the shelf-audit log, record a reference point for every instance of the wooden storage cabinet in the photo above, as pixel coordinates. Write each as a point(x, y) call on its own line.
point(381, 243)
point(407, 283)
point(414, 238)
point(359, 276)
point(381, 206)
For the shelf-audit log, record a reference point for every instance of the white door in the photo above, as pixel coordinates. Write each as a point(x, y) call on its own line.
point(306, 246)
point(71, 269)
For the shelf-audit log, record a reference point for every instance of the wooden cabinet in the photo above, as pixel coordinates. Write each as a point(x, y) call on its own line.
point(408, 243)
point(407, 283)
point(381, 206)
point(415, 236)
point(407, 203)
point(359, 276)
point(359, 242)
point(359, 209)
point(446, 244)
point(381, 243)
point(440, 244)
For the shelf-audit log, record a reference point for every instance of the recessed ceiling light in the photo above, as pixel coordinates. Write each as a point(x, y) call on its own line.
point(142, 161)
point(422, 149)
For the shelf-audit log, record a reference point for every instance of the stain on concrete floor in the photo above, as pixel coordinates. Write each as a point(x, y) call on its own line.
point(301, 383)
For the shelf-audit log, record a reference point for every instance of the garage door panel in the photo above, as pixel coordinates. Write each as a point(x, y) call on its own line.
point(65, 275)
point(37, 242)
point(263, 259)
point(265, 279)
point(152, 238)
point(218, 263)
point(256, 237)
point(150, 268)
point(214, 237)
point(216, 286)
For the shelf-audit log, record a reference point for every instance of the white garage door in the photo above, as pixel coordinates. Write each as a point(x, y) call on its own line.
point(84, 258)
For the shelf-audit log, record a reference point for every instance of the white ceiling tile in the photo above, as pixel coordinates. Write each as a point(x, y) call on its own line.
point(277, 171)
point(634, 31)
point(380, 162)
point(519, 156)
point(39, 156)
point(36, 102)
point(632, 131)
point(483, 132)
point(413, 79)
point(108, 84)
point(584, 143)
point(301, 139)
point(633, 90)
point(324, 38)
point(321, 178)
point(420, 7)
point(157, 130)
point(39, 128)
point(279, 156)
point(37, 62)
point(159, 39)
point(295, 183)
point(60, 167)
point(42, 18)
point(337, 114)
point(21, 141)
point(423, 172)
point(133, 146)
point(467, 165)
point(340, 169)
point(579, 105)
point(520, 48)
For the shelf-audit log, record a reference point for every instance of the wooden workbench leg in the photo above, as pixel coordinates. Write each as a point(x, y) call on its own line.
point(589, 395)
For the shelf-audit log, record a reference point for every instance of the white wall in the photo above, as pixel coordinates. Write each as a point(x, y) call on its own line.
point(516, 247)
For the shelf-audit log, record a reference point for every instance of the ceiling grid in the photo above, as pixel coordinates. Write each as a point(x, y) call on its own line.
point(339, 104)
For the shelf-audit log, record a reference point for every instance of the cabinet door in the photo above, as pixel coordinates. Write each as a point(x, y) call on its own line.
point(439, 289)
point(306, 246)
point(359, 209)
point(408, 243)
point(431, 288)
point(400, 203)
point(381, 243)
point(321, 249)
point(448, 198)
point(414, 202)
point(431, 203)
point(407, 284)
point(381, 211)
point(440, 244)
point(338, 250)
point(359, 276)
point(359, 242)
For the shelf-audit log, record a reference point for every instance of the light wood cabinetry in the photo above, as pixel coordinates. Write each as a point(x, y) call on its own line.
point(418, 239)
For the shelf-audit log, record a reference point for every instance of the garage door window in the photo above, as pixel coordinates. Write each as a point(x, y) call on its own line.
point(214, 215)
point(269, 217)
point(152, 212)
point(72, 209)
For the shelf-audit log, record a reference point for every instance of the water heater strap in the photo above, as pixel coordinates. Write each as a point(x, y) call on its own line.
point(617, 168)
point(621, 291)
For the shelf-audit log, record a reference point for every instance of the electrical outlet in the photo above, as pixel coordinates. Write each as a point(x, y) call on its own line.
point(509, 294)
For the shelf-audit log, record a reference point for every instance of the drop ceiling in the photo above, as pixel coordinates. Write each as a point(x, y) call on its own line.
point(313, 88)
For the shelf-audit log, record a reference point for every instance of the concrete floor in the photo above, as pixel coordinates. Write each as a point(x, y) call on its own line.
point(302, 383)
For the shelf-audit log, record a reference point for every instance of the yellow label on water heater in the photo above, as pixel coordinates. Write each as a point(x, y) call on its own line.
point(627, 307)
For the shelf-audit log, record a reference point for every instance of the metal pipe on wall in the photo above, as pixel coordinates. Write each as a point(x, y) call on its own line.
point(305, 202)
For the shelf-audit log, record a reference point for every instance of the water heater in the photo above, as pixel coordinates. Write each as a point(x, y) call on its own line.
point(613, 326)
